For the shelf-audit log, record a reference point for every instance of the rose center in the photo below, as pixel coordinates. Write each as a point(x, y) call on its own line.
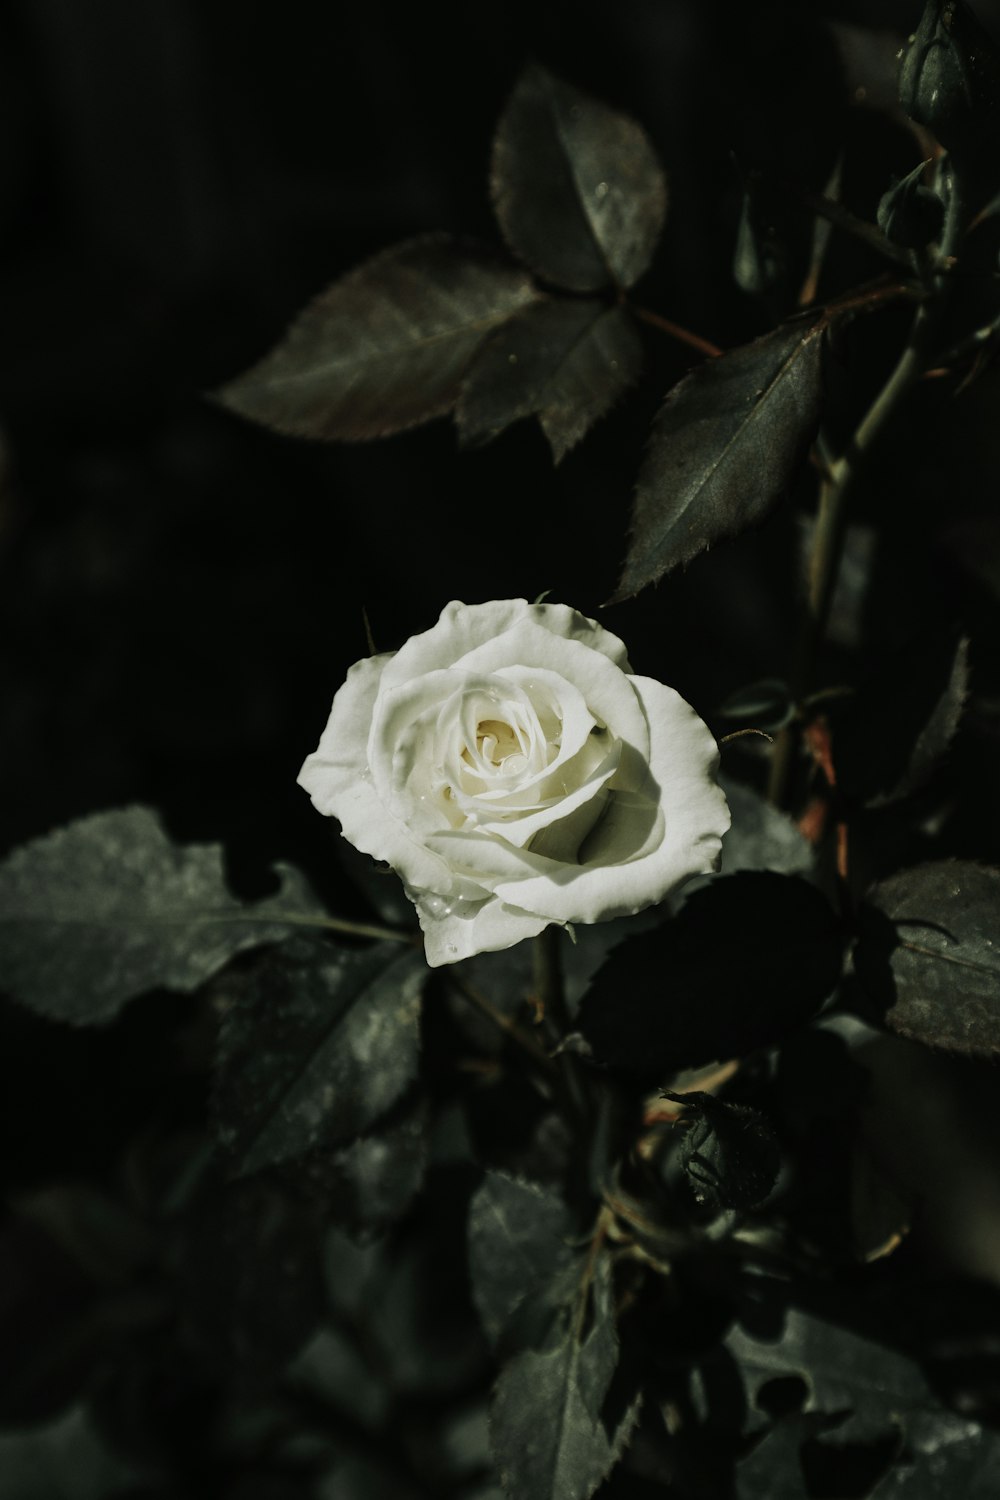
point(499, 745)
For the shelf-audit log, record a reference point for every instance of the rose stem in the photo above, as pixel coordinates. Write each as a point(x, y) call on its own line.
point(831, 520)
point(523, 1039)
point(675, 331)
point(552, 997)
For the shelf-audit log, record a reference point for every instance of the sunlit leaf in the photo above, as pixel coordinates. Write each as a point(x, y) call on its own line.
point(108, 908)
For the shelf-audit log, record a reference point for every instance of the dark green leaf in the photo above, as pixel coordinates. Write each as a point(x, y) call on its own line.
point(372, 1182)
point(64, 1460)
point(578, 190)
point(929, 955)
point(747, 959)
point(519, 1238)
point(767, 704)
point(418, 1308)
point(315, 1045)
point(761, 837)
point(107, 908)
point(250, 1265)
point(728, 1152)
point(563, 360)
point(723, 450)
point(385, 347)
point(892, 734)
point(843, 1371)
point(945, 1456)
point(773, 1469)
point(876, 1396)
point(332, 1367)
point(551, 1436)
point(911, 213)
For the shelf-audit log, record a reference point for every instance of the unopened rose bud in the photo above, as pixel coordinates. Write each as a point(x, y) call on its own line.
point(950, 78)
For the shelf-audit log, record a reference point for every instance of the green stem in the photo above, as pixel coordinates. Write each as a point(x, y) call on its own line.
point(523, 1039)
point(551, 994)
point(831, 528)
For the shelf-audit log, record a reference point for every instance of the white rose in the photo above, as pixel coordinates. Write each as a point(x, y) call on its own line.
point(512, 769)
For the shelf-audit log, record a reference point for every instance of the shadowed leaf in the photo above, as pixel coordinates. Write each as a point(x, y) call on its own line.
point(761, 837)
point(66, 1459)
point(578, 191)
point(551, 1438)
point(565, 361)
point(372, 1182)
point(723, 450)
point(519, 1237)
point(384, 348)
point(929, 955)
point(890, 737)
point(108, 908)
point(746, 960)
point(875, 1402)
point(316, 1044)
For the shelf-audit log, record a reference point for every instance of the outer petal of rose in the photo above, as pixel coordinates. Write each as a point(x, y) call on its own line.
point(463, 627)
point(488, 928)
point(607, 690)
point(613, 882)
point(336, 776)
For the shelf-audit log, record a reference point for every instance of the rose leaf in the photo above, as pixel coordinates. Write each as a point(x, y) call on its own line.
point(371, 1182)
point(761, 837)
point(386, 346)
point(928, 956)
point(249, 1259)
point(65, 1457)
point(108, 908)
point(723, 450)
point(747, 959)
point(519, 1237)
point(578, 191)
point(551, 1429)
point(880, 1411)
point(892, 734)
point(316, 1044)
point(564, 360)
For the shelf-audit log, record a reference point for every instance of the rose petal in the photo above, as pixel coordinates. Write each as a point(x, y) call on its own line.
point(614, 882)
point(486, 929)
point(606, 690)
point(337, 778)
point(463, 627)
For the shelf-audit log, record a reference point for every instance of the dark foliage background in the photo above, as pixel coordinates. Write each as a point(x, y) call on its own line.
point(181, 592)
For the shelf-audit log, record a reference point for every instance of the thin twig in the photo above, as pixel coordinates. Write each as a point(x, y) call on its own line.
point(523, 1039)
point(675, 331)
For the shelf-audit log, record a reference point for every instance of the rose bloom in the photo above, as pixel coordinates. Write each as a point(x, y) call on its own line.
point(516, 773)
